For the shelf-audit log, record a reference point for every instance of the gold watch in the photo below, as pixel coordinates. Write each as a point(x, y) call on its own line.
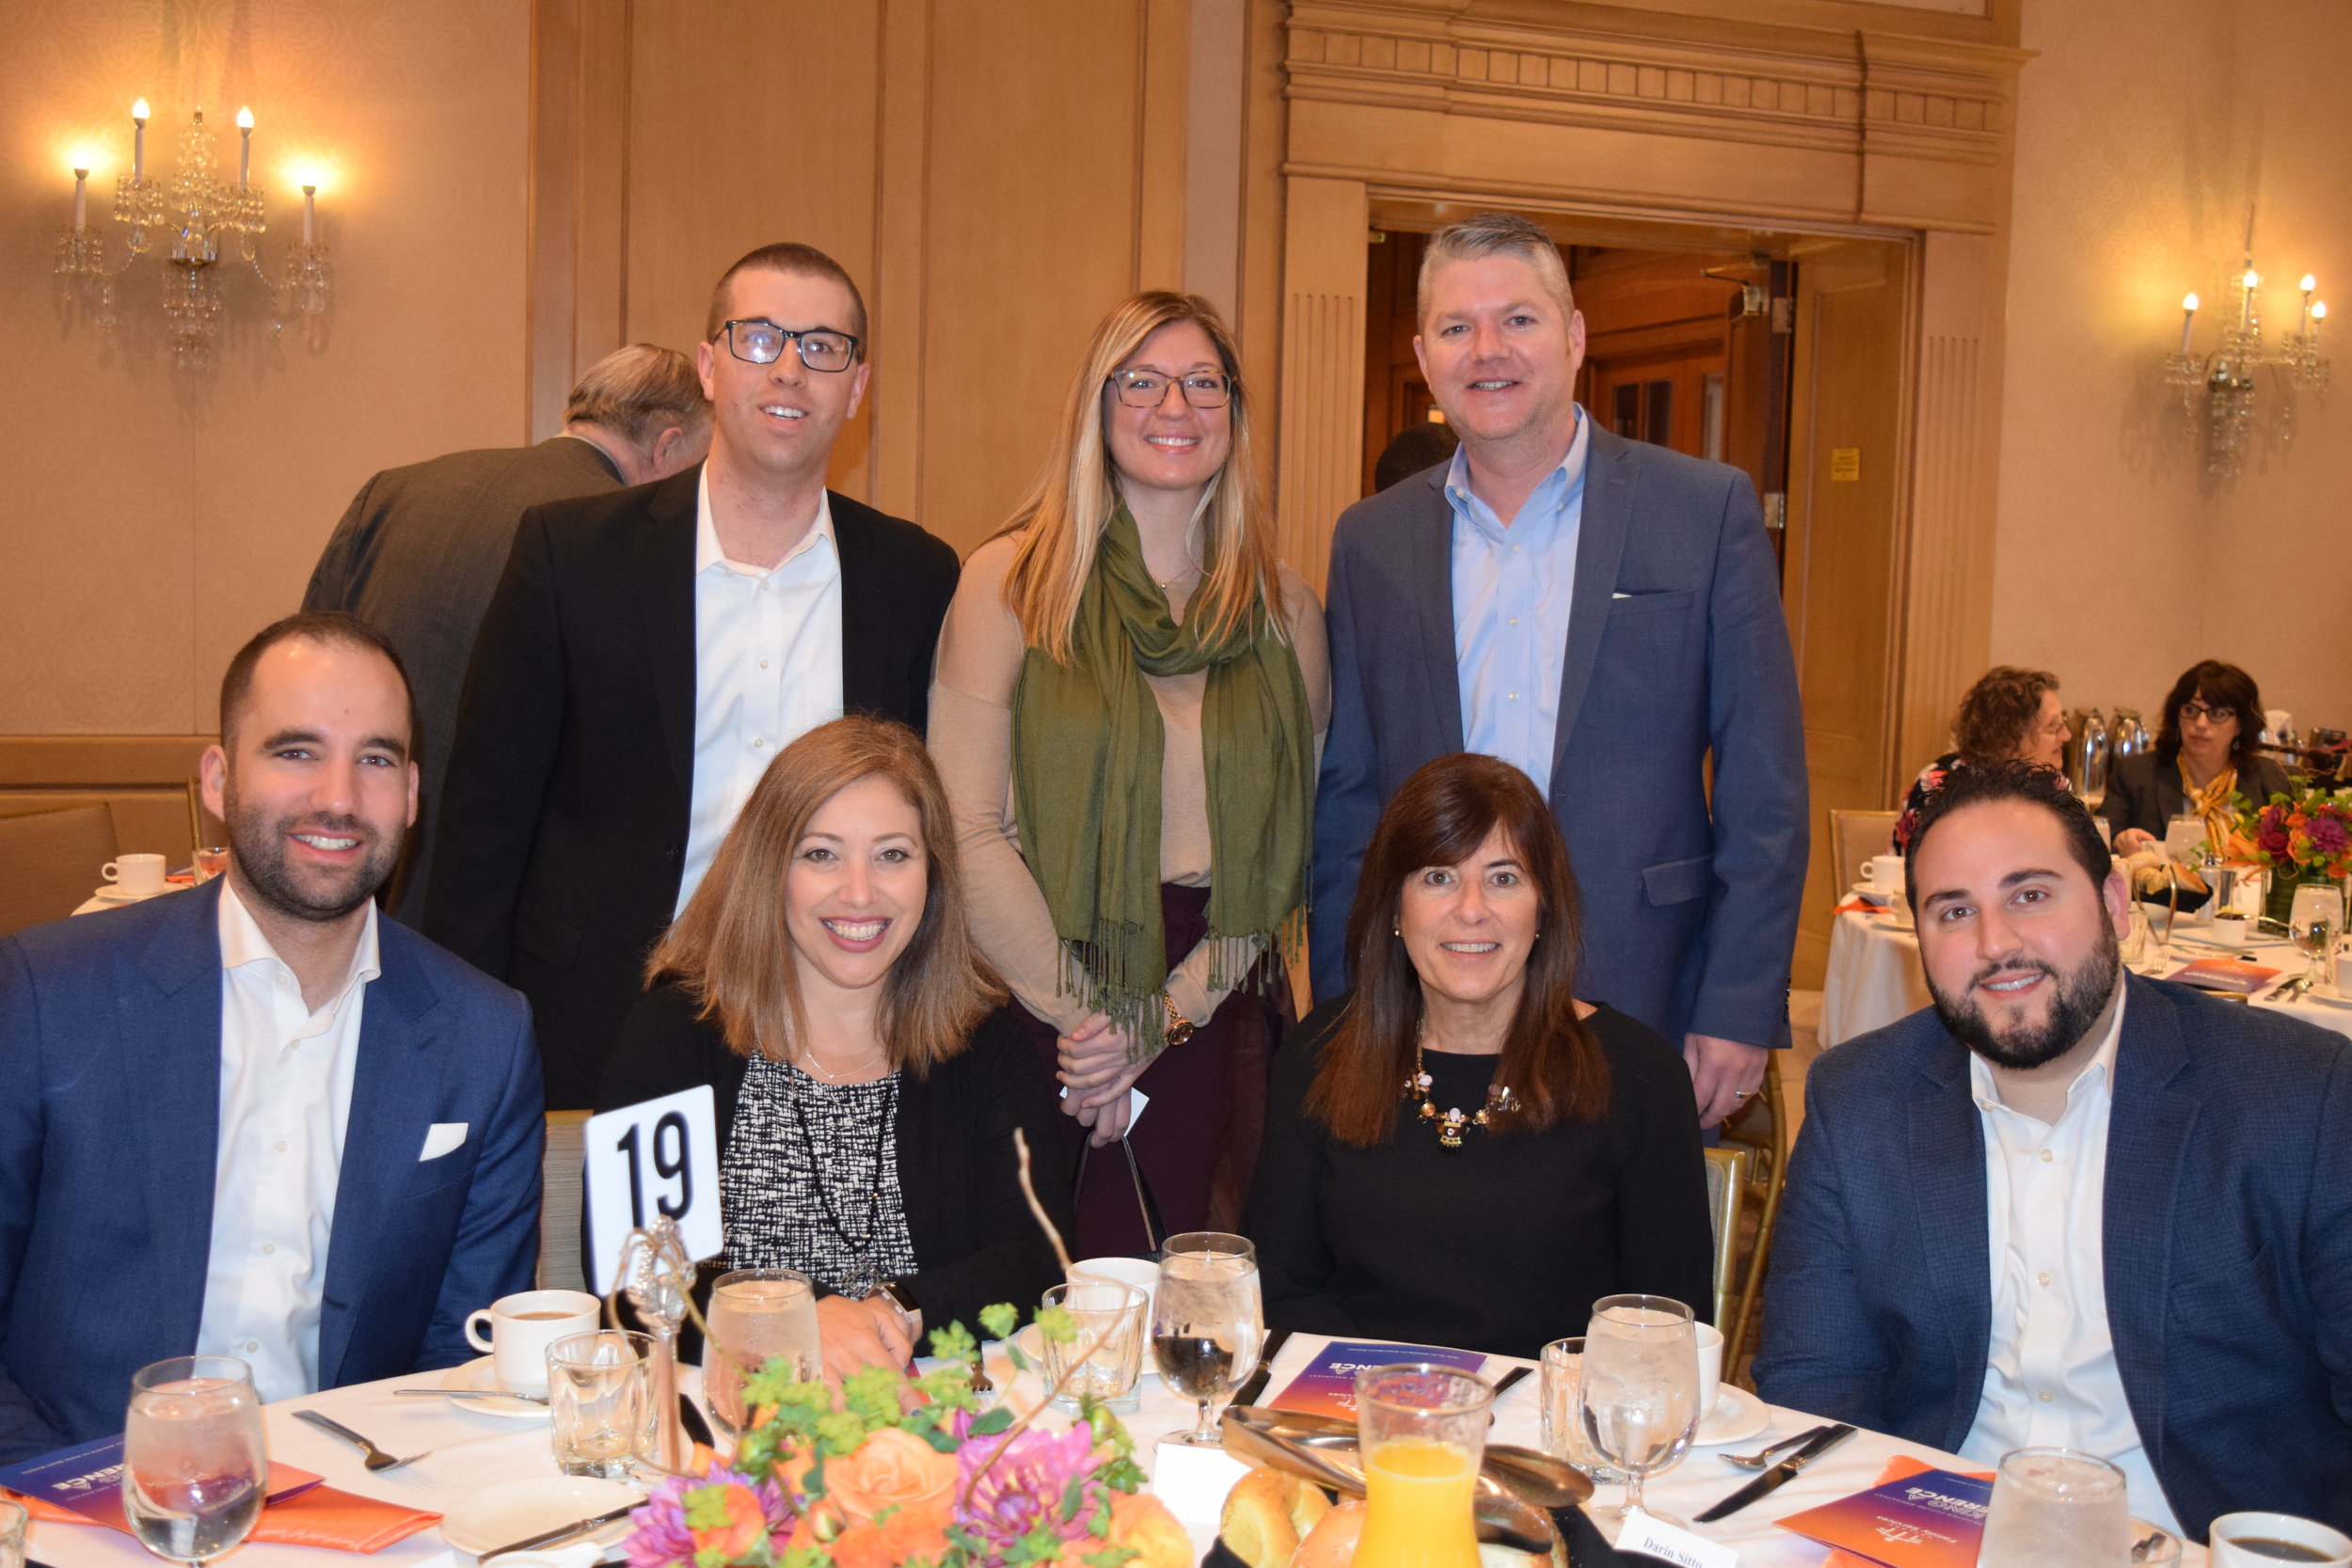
point(1180, 1028)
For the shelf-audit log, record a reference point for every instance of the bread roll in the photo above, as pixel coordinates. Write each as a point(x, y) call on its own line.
point(1331, 1544)
point(1265, 1514)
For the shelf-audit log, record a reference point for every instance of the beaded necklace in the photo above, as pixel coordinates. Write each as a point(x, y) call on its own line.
point(1501, 1102)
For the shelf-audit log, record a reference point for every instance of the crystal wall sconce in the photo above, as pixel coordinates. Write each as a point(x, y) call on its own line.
point(2221, 390)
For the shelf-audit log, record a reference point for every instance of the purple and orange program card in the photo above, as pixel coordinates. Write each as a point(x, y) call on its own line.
point(1933, 1519)
point(1326, 1386)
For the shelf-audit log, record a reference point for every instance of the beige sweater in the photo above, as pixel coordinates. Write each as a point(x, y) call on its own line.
point(980, 652)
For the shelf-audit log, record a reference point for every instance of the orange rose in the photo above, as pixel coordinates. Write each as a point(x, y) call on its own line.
point(918, 1531)
point(860, 1546)
point(746, 1526)
point(1142, 1521)
point(892, 1468)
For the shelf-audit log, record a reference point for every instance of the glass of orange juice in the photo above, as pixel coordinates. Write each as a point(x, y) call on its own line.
point(1421, 1430)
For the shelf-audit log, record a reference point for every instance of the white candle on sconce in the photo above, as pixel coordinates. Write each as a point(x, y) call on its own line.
point(2189, 320)
point(2247, 286)
point(244, 147)
point(2308, 285)
point(2319, 314)
point(138, 141)
point(309, 215)
point(81, 200)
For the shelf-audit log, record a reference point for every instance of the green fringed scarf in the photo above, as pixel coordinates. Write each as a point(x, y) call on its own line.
point(1086, 744)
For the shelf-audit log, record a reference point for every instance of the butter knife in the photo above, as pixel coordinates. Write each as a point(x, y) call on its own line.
point(561, 1532)
point(1778, 1475)
point(1248, 1393)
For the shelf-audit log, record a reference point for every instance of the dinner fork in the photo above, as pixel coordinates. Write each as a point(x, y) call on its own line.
point(1764, 1456)
point(378, 1459)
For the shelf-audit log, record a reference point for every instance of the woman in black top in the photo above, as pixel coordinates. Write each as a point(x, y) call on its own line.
point(1460, 1152)
point(2204, 755)
point(822, 980)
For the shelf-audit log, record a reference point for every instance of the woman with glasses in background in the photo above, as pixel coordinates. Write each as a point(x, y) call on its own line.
point(1129, 698)
point(2204, 755)
point(2009, 714)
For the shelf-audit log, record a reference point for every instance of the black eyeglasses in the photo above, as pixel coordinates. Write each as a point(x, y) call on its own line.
point(2206, 711)
point(761, 342)
point(1149, 388)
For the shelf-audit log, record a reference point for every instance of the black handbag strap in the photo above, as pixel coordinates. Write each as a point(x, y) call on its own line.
point(1146, 1204)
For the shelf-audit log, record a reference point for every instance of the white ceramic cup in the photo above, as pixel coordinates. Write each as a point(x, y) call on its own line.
point(1143, 1274)
point(1711, 1342)
point(140, 874)
point(2229, 930)
point(2343, 973)
point(2332, 1548)
point(522, 1326)
point(1886, 873)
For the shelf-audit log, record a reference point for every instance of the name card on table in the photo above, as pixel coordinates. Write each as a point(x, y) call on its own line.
point(657, 1158)
point(1654, 1537)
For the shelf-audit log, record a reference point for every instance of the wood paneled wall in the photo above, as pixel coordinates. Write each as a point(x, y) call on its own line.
point(994, 179)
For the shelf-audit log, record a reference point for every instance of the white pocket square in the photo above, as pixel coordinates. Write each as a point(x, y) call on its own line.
point(440, 1138)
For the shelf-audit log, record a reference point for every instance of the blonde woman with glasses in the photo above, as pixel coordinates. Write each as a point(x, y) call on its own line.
point(1129, 698)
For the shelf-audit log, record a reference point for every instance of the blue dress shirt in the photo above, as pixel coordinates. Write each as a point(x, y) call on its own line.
point(1511, 591)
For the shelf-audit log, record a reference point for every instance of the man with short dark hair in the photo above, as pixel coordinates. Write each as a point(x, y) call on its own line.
point(648, 653)
point(2071, 1207)
point(420, 548)
point(253, 1120)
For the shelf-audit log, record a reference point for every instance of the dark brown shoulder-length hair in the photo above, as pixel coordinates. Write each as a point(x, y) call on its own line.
point(1998, 712)
point(2221, 685)
point(732, 950)
point(1552, 1060)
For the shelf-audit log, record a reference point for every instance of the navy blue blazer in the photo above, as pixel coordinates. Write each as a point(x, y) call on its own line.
point(2228, 1233)
point(109, 1132)
point(1677, 647)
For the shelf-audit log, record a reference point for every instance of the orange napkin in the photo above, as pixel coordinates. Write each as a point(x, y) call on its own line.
point(1902, 1465)
point(322, 1516)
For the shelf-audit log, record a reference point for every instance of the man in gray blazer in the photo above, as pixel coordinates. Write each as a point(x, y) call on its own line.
point(420, 548)
point(1606, 615)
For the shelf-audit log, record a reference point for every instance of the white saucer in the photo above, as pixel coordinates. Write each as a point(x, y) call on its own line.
point(513, 1511)
point(1738, 1415)
point(1871, 895)
point(115, 892)
point(479, 1374)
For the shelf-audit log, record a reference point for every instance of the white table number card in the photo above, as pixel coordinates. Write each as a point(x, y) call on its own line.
point(645, 1161)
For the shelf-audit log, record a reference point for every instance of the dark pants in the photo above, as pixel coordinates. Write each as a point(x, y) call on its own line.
point(1198, 1141)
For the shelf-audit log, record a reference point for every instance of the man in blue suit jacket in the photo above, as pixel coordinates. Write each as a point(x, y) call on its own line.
point(1605, 614)
point(251, 1118)
point(2055, 1209)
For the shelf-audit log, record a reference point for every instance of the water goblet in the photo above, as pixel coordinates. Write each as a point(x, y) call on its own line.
point(195, 1461)
point(1207, 1322)
point(1639, 1396)
point(2315, 920)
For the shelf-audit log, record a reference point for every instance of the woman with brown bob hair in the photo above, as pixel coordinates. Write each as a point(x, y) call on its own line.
point(1543, 1151)
point(2011, 712)
point(823, 981)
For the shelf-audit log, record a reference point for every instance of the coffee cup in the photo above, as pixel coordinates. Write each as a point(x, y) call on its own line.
point(1711, 1342)
point(1885, 873)
point(1143, 1274)
point(2277, 1541)
point(139, 873)
point(2343, 974)
point(522, 1326)
point(2229, 929)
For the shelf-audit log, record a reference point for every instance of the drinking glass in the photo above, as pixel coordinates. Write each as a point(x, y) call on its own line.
point(2315, 920)
point(2055, 1508)
point(1207, 1324)
point(195, 1463)
point(1108, 1355)
point(1640, 1399)
point(12, 1534)
point(600, 1402)
point(209, 862)
point(1421, 1430)
point(755, 1314)
point(2184, 835)
point(1561, 1375)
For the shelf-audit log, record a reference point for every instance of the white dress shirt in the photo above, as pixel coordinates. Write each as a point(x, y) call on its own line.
point(285, 1098)
point(2050, 1379)
point(1512, 588)
point(767, 669)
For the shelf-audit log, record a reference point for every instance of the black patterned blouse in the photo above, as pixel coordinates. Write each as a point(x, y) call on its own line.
point(810, 1179)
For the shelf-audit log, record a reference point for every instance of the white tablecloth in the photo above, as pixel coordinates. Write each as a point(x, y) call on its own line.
point(1873, 976)
point(470, 1452)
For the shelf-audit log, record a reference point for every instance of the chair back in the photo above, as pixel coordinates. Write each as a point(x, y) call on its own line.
point(562, 1198)
point(49, 862)
point(1854, 836)
point(1727, 1193)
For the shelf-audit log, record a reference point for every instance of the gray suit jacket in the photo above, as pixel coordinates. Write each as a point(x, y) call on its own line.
point(1676, 651)
point(416, 557)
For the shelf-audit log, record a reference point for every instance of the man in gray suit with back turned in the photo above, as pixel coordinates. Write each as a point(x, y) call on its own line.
point(1602, 614)
point(422, 548)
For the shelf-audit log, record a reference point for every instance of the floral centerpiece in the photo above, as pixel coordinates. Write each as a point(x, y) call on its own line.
point(2302, 834)
point(896, 1471)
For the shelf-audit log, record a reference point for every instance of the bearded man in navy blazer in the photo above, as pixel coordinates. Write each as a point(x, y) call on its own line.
point(251, 1118)
point(2067, 1206)
point(1603, 614)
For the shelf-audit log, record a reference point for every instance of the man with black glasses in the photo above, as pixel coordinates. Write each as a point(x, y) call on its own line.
point(648, 651)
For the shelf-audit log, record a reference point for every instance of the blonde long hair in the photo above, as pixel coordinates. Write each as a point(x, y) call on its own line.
point(731, 948)
point(1066, 511)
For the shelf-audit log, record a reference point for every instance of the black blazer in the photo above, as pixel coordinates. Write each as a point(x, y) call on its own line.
point(2144, 791)
point(975, 1242)
point(564, 813)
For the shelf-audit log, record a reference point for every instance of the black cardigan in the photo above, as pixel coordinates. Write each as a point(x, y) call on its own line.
point(2144, 791)
point(1502, 1244)
point(975, 1242)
